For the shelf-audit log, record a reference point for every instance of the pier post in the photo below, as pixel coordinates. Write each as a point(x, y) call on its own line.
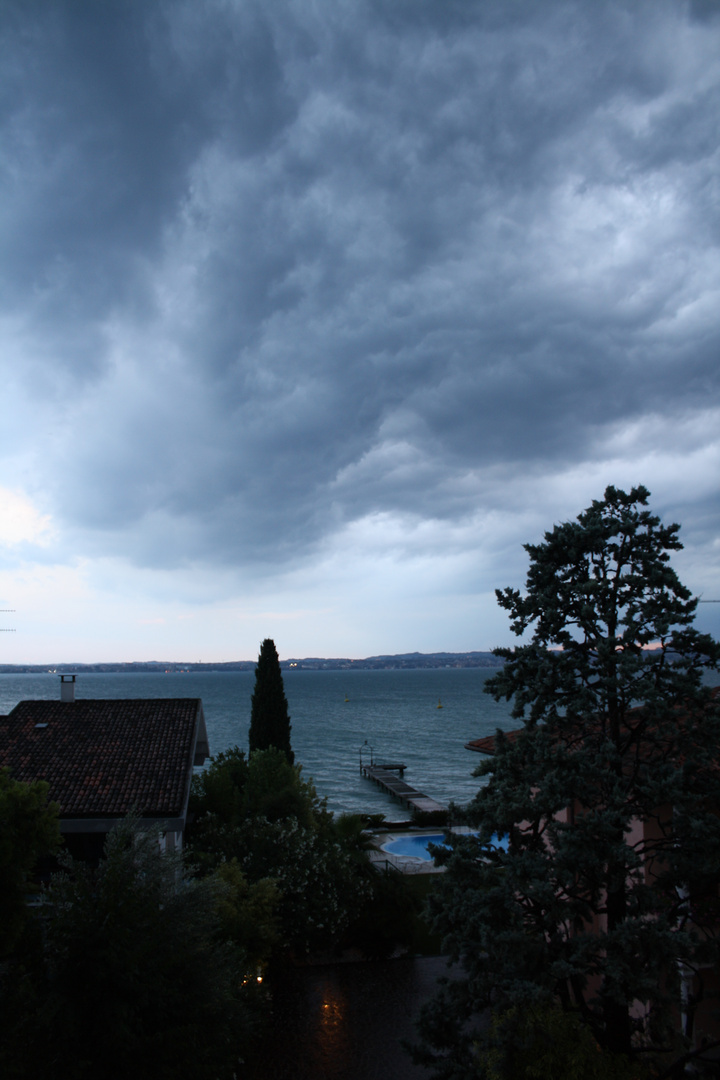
point(366, 746)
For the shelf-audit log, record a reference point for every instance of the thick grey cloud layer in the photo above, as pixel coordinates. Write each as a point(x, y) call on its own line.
point(270, 270)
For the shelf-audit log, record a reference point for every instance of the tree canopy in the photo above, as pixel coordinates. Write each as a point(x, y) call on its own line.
point(143, 979)
point(133, 970)
point(29, 829)
point(604, 901)
point(263, 816)
point(269, 717)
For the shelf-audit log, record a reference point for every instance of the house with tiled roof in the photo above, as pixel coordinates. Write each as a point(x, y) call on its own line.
point(486, 745)
point(103, 759)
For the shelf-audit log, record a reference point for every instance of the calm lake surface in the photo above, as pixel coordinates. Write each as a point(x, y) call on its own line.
point(395, 711)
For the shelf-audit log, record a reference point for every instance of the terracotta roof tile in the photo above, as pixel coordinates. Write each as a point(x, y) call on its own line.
point(486, 745)
point(104, 758)
point(483, 746)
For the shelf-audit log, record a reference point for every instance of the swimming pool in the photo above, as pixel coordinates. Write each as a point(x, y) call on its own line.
point(415, 845)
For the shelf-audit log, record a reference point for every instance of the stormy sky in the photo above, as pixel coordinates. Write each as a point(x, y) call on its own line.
point(314, 311)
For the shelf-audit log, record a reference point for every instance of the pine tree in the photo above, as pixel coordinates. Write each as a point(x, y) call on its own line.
point(269, 718)
point(606, 899)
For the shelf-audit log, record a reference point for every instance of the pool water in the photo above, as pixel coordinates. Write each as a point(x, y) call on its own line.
point(415, 846)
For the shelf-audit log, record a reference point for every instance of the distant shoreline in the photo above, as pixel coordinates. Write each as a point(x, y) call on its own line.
point(400, 661)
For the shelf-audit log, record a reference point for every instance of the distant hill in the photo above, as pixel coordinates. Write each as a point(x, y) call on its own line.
point(311, 663)
point(400, 660)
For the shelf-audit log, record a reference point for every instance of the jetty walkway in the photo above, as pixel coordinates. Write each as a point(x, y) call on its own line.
point(386, 778)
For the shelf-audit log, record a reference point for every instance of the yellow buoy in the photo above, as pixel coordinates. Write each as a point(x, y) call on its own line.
point(439, 704)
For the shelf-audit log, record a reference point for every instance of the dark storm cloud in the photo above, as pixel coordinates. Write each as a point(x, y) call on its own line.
point(283, 266)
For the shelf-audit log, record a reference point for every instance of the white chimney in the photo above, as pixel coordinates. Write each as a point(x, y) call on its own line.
point(67, 687)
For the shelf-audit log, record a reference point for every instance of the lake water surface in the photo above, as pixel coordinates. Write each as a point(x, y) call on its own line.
point(395, 711)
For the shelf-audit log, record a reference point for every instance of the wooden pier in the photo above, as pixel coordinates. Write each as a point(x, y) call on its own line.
point(384, 776)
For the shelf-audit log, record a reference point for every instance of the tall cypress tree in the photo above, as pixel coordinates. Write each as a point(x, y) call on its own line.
point(269, 718)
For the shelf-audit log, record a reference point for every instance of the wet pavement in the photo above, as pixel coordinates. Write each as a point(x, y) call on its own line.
point(346, 1021)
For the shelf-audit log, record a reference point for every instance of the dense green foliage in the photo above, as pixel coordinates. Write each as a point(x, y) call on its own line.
point(29, 829)
point(233, 788)
point(249, 913)
point(220, 788)
point(263, 816)
point(260, 819)
point(545, 1043)
point(136, 974)
point(269, 717)
point(605, 901)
